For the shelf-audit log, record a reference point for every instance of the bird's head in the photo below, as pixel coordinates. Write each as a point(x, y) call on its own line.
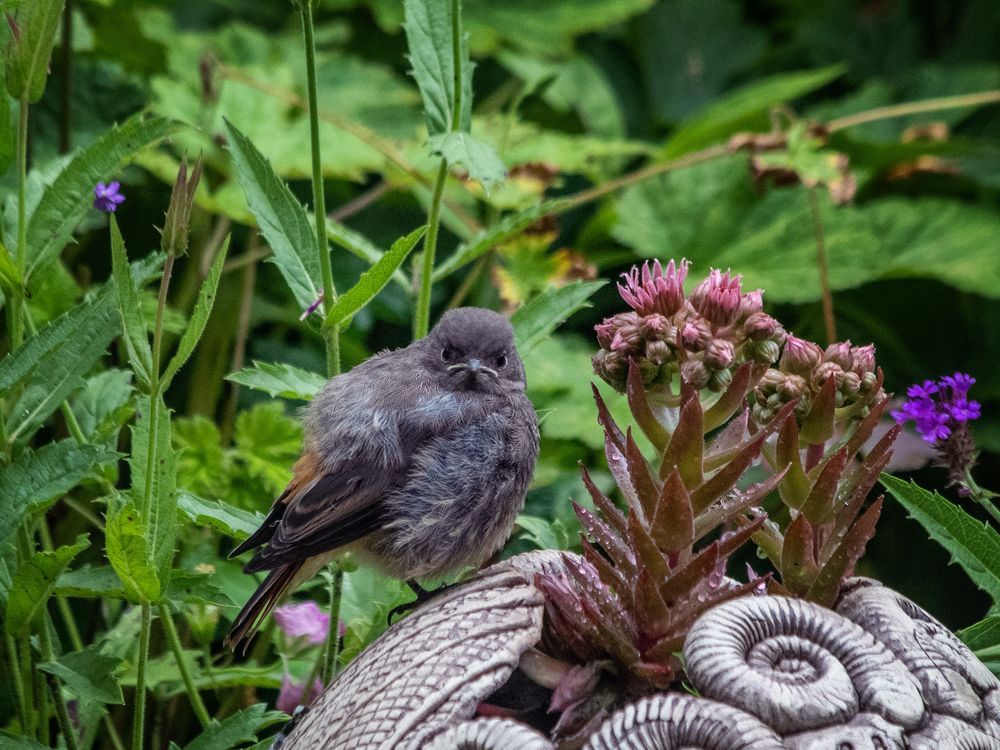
point(472, 349)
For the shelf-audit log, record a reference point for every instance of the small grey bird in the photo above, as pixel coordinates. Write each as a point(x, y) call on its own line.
point(417, 460)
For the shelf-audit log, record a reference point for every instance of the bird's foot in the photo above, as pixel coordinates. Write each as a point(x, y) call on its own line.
point(422, 595)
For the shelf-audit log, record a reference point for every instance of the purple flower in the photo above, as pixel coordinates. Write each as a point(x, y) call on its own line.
point(107, 198)
point(719, 297)
point(655, 291)
point(939, 408)
point(292, 694)
point(304, 620)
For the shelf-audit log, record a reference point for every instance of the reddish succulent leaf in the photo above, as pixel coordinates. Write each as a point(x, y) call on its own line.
point(610, 575)
point(852, 506)
point(673, 520)
point(817, 427)
point(638, 404)
point(729, 543)
point(882, 449)
point(798, 556)
point(651, 612)
point(774, 588)
point(730, 509)
point(603, 503)
point(865, 427)
point(659, 675)
point(565, 618)
point(826, 587)
point(612, 544)
point(611, 430)
point(687, 444)
point(744, 379)
point(618, 466)
point(820, 505)
point(578, 683)
point(647, 554)
point(646, 486)
point(687, 577)
point(727, 442)
point(794, 488)
point(617, 630)
point(716, 598)
point(726, 478)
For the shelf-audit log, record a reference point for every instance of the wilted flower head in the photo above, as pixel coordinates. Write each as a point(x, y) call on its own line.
point(304, 620)
point(719, 298)
point(655, 291)
point(292, 694)
point(107, 198)
point(178, 218)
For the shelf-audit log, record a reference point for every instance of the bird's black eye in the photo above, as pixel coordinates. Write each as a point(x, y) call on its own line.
point(447, 354)
point(501, 360)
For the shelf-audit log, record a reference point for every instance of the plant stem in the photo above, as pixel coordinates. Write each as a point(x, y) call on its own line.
point(422, 314)
point(139, 710)
point(14, 307)
point(175, 645)
point(829, 322)
point(332, 649)
point(66, 82)
point(14, 665)
point(913, 108)
point(62, 712)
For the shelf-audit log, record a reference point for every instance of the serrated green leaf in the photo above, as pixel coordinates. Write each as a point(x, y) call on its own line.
point(199, 318)
point(973, 544)
point(71, 194)
point(191, 587)
point(19, 742)
point(100, 399)
point(279, 379)
point(547, 311)
point(130, 555)
point(745, 108)
point(161, 493)
point(35, 479)
point(90, 582)
point(33, 583)
point(373, 280)
point(544, 533)
point(429, 34)
point(268, 441)
point(89, 674)
point(130, 311)
point(237, 729)
point(29, 51)
point(10, 277)
point(983, 635)
point(478, 158)
point(219, 515)
point(280, 217)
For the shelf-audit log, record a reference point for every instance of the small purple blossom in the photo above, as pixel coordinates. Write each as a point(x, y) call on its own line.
point(107, 197)
point(313, 307)
point(938, 408)
point(292, 694)
point(304, 620)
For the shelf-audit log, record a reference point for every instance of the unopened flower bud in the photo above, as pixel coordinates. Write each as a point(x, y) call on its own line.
point(868, 382)
point(649, 371)
point(792, 387)
point(174, 239)
point(771, 380)
point(840, 354)
point(720, 380)
point(720, 354)
point(825, 371)
point(760, 326)
point(654, 326)
point(658, 352)
point(718, 298)
point(627, 338)
point(696, 335)
point(799, 356)
point(766, 352)
point(863, 359)
point(849, 384)
point(611, 367)
point(695, 373)
point(751, 302)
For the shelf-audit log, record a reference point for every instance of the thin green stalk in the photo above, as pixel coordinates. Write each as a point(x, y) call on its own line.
point(175, 645)
point(829, 321)
point(14, 309)
point(914, 108)
point(14, 665)
point(139, 710)
point(62, 713)
point(422, 315)
point(332, 648)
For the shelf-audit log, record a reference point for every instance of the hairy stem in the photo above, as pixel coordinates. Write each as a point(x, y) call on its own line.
point(17, 296)
point(332, 648)
point(829, 322)
point(62, 712)
point(139, 709)
point(175, 645)
point(914, 108)
point(14, 665)
point(422, 314)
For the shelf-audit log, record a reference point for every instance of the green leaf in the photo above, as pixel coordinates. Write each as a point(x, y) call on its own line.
point(279, 379)
point(192, 587)
point(544, 313)
point(219, 515)
point(89, 674)
point(983, 635)
point(100, 401)
point(240, 728)
point(973, 544)
point(478, 158)
point(133, 322)
point(280, 216)
point(544, 533)
point(373, 280)
point(10, 277)
point(198, 320)
point(91, 582)
point(33, 583)
point(35, 479)
point(745, 109)
point(30, 49)
point(130, 555)
point(71, 194)
point(269, 441)
point(19, 742)
point(161, 495)
point(429, 35)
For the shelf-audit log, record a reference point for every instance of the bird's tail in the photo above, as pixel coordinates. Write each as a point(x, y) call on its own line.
point(252, 616)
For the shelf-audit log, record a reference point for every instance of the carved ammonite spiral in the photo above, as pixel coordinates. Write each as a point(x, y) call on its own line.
point(797, 666)
point(489, 734)
point(675, 721)
point(431, 669)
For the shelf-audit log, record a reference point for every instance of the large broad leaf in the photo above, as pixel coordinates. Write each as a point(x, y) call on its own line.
point(64, 203)
point(91, 582)
point(430, 29)
point(279, 379)
point(746, 108)
point(543, 314)
point(133, 322)
point(35, 479)
point(280, 216)
point(89, 674)
point(33, 583)
point(477, 158)
point(30, 49)
point(373, 280)
point(238, 729)
point(198, 320)
point(973, 544)
point(219, 515)
point(154, 492)
point(129, 553)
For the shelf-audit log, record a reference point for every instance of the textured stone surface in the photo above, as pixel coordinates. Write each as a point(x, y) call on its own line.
point(489, 734)
point(431, 669)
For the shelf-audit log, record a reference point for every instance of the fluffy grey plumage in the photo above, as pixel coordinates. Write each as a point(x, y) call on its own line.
point(417, 459)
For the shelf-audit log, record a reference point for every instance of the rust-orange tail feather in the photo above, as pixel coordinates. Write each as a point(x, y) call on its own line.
point(254, 612)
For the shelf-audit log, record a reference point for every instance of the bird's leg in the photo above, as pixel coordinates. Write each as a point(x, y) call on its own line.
point(422, 595)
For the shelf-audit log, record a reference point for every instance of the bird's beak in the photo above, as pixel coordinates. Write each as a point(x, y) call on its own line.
point(474, 367)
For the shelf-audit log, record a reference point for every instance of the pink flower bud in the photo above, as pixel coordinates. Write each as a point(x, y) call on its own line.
point(304, 620)
point(608, 329)
point(799, 356)
point(849, 384)
point(760, 326)
point(840, 354)
point(863, 359)
point(718, 298)
point(751, 302)
point(292, 694)
point(766, 351)
point(655, 291)
point(792, 387)
point(611, 367)
point(695, 374)
point(654, 326)
point(720, 354)
point(825, 371)
point(658, 352)
point(696, 334)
